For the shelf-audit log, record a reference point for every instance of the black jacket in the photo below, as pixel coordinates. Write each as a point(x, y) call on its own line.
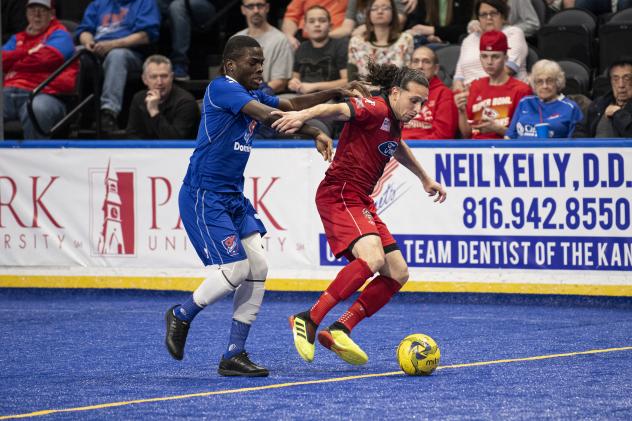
point(621, 120)
point(179, 117)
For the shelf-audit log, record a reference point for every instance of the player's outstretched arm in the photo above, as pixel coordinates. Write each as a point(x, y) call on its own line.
point(292, 121)
point(268, 115)
point(405, 156)
point(301, 102)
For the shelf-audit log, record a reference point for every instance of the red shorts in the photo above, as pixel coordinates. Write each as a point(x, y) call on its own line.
point(347, 216)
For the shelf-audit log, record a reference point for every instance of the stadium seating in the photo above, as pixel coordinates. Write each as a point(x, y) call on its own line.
point(448, 56)
point(577, 77)
point(615, 39)
point(532, 58)
point(569, 34)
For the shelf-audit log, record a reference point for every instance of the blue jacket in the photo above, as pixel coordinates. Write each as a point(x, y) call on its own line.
point(562, 114)
point(114, 19)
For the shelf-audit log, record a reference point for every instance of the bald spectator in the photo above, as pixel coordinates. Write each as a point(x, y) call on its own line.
point(610, 115)
point(29, 58)
point(163, 110)
point(438, 118)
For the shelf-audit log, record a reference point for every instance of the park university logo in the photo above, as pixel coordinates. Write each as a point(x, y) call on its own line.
point(112, 211)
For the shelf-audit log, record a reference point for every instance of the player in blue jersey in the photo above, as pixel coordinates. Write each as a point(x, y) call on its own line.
point(221, 223)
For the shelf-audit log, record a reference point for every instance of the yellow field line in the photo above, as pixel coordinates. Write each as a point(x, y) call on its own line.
point(190, 283)
point(293, 384)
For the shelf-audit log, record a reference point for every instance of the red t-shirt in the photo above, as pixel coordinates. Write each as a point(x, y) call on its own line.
point(366, 144)
point(496, 101)
point(438, 118)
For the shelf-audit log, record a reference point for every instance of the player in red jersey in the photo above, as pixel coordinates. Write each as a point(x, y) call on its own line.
point(371, 136)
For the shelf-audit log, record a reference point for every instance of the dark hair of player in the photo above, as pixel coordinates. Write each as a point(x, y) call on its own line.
point(235, 48)
point(388, 75)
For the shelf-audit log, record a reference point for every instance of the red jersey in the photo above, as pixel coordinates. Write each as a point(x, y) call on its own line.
point(367, 142)
point(438, 118)
point(496, 101)
point(28, 60)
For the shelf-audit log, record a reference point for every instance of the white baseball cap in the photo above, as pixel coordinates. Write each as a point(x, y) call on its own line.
point(45, 3)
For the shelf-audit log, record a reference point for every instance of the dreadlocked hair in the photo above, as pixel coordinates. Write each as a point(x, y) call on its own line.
point(388, 76)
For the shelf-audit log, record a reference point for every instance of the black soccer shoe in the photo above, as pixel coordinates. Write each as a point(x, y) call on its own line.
point(177, 331)
point(240, 365)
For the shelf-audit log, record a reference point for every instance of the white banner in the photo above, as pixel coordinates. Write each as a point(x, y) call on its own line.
point(541, 215)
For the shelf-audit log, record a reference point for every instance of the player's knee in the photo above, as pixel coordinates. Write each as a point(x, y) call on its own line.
point(256, 257)
point(247, 301)
point(235, 273)
point(375, 261)
point(401, 275)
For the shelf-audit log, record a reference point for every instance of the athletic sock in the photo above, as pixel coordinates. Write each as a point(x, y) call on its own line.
point(348, 281)
point(352, 317)
point(238, 335)
point(377, 293)
point(187, 310)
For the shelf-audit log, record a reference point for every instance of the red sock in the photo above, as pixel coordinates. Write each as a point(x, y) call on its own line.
point(353, 316)
point(378, 293)
point(348, 281)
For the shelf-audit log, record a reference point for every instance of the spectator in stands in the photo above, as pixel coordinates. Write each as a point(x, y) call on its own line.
point(115, 30)
point(383, 42)
point(294, 17)
point(438, 118)
point(443, 21)
point(278, 54)
point(181, 17)
point(492, 16)
point(28, 58)
point(522, 14)
point(163, 110)
point(320, 62)
point(611, 115)
point(13, 18)
point(548, 105)
point(355, 15)
point(486, 112)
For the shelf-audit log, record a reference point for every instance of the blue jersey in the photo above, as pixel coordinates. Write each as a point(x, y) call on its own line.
point(224, 137)
point(561, 113)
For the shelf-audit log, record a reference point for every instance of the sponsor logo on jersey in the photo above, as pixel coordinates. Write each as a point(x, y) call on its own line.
point(242, 148)
point(388, 148)
point(386, 125)
point(231, 245)
point(368, 216)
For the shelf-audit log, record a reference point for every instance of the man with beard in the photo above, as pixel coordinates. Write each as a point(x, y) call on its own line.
point(276, 47)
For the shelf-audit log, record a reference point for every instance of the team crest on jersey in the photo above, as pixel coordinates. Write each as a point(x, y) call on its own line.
point(251, 130)
point(368, 216)
point(386, 125)
point(231, 245)
point(388, 148)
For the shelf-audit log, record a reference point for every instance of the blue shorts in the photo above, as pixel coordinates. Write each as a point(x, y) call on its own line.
point(216, 222)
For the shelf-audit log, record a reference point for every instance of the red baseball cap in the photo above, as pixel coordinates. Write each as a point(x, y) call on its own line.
point(494, 41)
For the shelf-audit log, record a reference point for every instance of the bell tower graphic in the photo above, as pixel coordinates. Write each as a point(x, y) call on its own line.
point(111, 236)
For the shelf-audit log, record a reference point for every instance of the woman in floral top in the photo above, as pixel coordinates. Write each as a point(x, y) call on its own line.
point(383, 43)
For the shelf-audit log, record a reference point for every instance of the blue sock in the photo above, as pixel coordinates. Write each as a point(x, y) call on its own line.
point(238, 334)
point(187, 310)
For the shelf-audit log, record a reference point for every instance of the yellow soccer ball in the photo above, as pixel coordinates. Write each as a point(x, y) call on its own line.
point(418, 355)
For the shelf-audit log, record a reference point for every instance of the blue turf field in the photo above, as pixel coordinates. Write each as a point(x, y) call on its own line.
point(64, 350)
